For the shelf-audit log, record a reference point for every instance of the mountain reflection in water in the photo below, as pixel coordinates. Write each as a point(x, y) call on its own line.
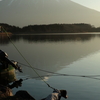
point(59, 54)
point(51, 38)
point(52, 52)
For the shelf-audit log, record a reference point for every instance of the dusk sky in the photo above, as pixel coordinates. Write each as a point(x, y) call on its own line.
point(30, 12)
point(93, 4)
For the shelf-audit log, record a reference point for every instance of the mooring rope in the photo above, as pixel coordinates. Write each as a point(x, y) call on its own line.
point(24, 57)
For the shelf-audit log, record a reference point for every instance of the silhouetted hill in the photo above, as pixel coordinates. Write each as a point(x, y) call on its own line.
point(9, 28)
point(51, 28)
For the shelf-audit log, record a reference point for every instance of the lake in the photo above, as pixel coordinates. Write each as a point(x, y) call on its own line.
point(64, 61)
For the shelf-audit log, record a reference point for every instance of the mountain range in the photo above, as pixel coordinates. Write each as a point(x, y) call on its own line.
point(30, 12)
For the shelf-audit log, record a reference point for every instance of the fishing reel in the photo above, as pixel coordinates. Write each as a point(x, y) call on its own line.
point(18, 67)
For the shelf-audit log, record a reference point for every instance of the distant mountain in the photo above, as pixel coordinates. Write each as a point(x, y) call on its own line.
point(30, 12)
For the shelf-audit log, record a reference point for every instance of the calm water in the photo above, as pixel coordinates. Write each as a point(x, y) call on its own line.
point(72, 54)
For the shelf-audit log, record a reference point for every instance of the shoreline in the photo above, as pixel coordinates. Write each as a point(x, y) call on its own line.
point(5, 33)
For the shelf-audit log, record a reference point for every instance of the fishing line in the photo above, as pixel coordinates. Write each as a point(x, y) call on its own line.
point(24, 57)
point(38, 77)
point(59, 74)
point(64, 75)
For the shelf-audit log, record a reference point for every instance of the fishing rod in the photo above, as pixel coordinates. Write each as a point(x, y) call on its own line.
point(23, 56)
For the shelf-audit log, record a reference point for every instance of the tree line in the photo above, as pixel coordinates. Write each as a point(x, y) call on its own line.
point(51, 28)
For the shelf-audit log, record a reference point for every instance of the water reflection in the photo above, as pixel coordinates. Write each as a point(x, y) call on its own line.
point(58, 54)
point(51, 52)
point(4, 39)
point(45, 72)
point(8, 78)
point(51, 38)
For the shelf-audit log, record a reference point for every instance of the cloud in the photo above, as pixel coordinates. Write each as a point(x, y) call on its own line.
point(0, 0)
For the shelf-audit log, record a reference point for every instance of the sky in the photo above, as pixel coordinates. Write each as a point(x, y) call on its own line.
point(93, 4)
